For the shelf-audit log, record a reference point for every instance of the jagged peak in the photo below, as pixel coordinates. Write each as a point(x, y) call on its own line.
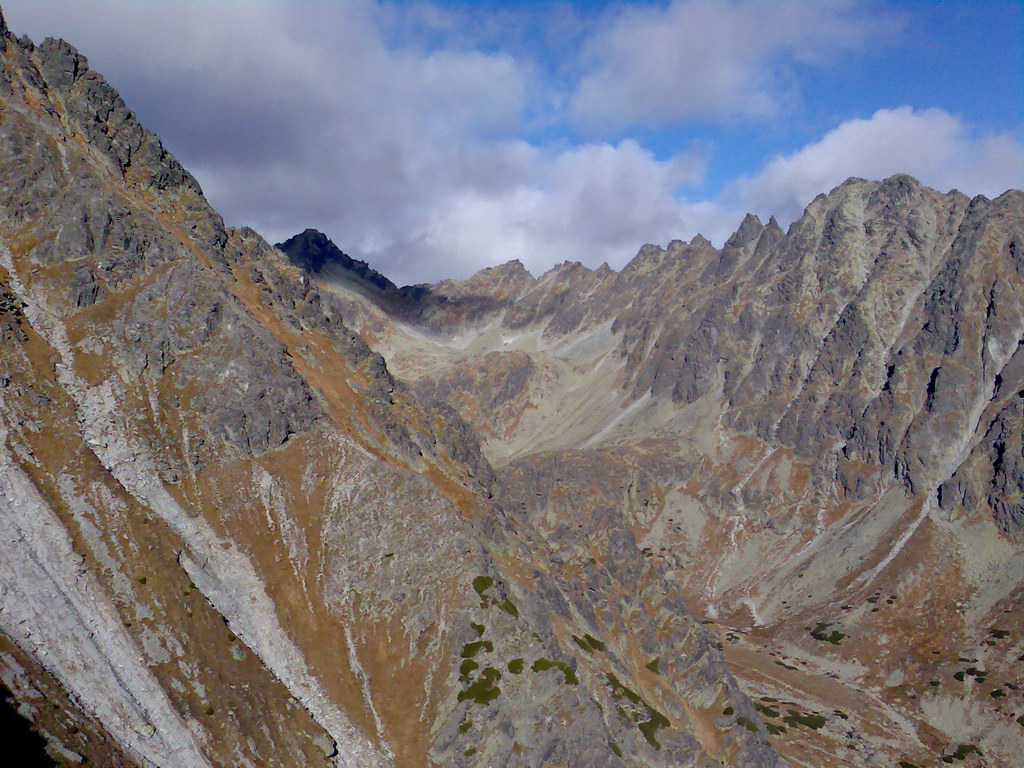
point(92, 107)
point(312, 251)
point(510, 269)
point(571, 266)
point(901, 179)
point(308, 235)
point(748, 231)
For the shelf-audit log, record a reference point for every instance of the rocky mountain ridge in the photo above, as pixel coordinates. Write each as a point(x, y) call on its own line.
point(816, 434)
point(232, 537)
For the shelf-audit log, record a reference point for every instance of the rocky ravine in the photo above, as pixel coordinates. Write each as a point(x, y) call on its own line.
point(815, 436)
point(230, 537)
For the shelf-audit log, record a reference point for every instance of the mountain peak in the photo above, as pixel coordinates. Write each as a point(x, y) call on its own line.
point(313, 251)
point(748, 232)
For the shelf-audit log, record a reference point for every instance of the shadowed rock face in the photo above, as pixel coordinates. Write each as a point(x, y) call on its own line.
point(813, 436)
point(229, 536)
point(312, 251)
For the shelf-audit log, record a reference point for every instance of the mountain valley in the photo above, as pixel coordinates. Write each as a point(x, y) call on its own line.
point(759, 505)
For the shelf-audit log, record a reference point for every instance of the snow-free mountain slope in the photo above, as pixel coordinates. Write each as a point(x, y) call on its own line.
point(230, 537)
point(814, 434)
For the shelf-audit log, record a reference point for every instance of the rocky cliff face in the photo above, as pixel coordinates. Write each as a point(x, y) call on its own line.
point(231, 537)
point(812, 436)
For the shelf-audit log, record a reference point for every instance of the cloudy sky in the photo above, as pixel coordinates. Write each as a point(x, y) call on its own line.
point(436, 138)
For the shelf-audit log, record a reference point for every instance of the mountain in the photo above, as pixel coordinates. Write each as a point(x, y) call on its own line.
point(751, 506)
point(231, 537)
point(816, 435)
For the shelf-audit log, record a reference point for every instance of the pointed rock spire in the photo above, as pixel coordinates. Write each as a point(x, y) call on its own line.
point(749, 230)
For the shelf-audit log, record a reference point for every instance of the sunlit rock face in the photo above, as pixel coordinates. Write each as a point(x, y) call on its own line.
point(231, 536)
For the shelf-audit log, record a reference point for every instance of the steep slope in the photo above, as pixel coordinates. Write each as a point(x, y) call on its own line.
point(814, 435)
point(232, 538)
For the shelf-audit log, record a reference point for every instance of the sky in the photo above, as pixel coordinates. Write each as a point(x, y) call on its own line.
point(433, 139)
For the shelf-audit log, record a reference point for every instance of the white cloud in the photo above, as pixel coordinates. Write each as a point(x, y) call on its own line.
point(932, 145)
point(593, 203)
point(708, 58)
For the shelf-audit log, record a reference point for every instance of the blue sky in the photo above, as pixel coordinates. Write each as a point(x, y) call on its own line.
point(436, 138)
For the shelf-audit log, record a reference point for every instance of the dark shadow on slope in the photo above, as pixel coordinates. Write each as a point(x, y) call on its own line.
point(20, 742)
point(313, 252)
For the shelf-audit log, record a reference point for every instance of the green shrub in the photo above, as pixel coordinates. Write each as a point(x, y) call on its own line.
point(542, 665)
point(746, 723)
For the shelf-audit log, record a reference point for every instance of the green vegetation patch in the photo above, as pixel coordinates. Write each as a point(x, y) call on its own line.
point(589, 643)
point(466, 669)
point(469, 650)
point(654, 665)
point(615, 748)
point(482, 583)
point(465, 726)
point(478, 627)
point(728, 711)
point(515, 666)
point(619, 690)
point(813, 720)
point(979, 675)
point(649, 728)
point(998, 633)
point(646, 718)
point(820, 632)
point(747, 723)
point(961, 753)
point(484, 690)
point(542, 665)
point(765, 710)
